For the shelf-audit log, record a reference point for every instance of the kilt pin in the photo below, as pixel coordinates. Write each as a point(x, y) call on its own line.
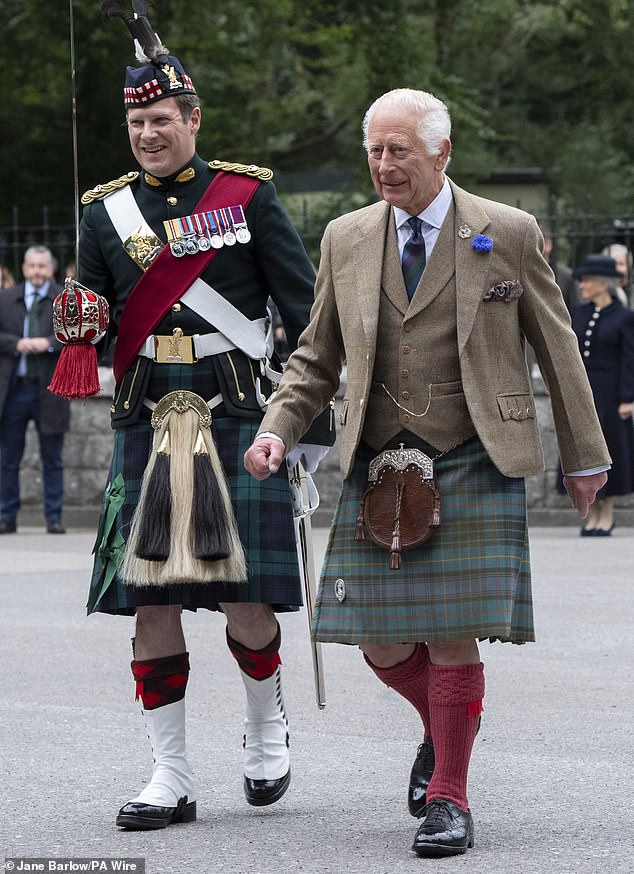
point(441, 370)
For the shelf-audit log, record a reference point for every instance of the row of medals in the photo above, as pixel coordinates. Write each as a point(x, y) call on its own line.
point(191, 244)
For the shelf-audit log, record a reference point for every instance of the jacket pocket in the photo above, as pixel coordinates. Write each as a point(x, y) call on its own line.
point(516, 406)
point(130, 393)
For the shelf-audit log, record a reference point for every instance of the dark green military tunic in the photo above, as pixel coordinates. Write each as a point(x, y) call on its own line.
point(273, 263)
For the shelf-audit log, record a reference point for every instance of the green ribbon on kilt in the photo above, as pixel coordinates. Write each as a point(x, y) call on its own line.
point(109, 545)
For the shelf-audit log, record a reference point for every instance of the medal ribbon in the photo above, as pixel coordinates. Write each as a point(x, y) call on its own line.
point(168, 278)
point(237, 216)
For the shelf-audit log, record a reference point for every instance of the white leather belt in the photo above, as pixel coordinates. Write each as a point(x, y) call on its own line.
point(204, 344)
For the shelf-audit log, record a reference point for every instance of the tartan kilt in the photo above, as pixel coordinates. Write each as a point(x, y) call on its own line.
point(265, 524)
point(470, 580)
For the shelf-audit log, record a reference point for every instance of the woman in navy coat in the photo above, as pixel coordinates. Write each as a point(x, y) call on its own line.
point(605, 329)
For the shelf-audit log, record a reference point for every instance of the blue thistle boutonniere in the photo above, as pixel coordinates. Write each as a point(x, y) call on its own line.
point(482, 243)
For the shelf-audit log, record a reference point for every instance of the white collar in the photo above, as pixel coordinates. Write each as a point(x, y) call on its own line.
point(434, 214)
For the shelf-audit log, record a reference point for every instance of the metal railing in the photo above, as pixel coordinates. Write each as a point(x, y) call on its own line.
point(16, 238)
point(573, 236)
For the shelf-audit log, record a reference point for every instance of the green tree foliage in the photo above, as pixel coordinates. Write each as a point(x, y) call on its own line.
point(285, 83)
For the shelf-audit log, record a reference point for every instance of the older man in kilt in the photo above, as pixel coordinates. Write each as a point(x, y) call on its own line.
point(429, 296)
point(193, 372)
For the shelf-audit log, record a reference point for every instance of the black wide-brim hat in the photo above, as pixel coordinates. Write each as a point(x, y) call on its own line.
point(597, 265)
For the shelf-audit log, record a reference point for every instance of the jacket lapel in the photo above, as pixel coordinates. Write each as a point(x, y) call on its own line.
point(18, 310)
point(471, 266)
point(439, 268)
point(367, 252)
point(392, 280)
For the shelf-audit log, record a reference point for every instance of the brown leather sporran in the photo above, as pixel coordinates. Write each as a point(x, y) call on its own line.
point(401, 506)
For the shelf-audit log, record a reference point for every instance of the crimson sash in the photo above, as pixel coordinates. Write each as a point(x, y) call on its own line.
point(168, 278)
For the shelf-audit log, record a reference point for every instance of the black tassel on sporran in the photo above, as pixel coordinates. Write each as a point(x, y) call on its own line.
point(155, 527)
point(209, 523)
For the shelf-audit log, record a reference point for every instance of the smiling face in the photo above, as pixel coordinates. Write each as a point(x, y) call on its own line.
point(161, 140)
point(402, 172)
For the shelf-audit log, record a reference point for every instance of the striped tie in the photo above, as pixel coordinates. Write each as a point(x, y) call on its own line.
point(414, 256)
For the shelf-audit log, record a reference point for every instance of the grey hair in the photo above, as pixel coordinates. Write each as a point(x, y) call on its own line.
point(620, 249)
point(613, 288)
point(39, 250)
point(434, 122)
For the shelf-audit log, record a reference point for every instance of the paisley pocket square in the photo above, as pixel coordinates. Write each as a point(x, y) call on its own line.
point(508, 290)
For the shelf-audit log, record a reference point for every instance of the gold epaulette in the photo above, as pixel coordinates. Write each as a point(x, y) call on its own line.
point(100, 191)
point(261, 173)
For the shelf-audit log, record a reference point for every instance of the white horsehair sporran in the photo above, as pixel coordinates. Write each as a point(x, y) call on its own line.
point(183, 529)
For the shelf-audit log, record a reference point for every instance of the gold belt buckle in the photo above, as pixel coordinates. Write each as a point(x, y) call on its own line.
point(174, 349)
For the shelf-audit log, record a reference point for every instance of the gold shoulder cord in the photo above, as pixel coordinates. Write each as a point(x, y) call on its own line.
point(100, 191)
point(261, 173)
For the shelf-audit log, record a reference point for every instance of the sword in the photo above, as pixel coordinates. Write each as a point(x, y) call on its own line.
point(305, 500)
point(73, 96)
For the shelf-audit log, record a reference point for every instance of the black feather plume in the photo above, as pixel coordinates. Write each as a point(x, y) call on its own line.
point(110, 9)
point(138, 25)
point(141, 6)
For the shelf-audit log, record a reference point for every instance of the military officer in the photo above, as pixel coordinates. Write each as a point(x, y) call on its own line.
point(187, 253)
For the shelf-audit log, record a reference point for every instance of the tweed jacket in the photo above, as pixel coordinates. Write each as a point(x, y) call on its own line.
point(54, 411)
point(489, 341)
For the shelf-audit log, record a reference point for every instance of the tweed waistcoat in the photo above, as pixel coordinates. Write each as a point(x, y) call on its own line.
point(417, 355)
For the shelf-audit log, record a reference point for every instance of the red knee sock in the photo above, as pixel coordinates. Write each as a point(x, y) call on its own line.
point(257, 663)
point(455, 704)
point(161, 681)
point(410, 679)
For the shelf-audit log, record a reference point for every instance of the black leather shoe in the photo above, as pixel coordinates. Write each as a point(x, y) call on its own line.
point(604, 532)
point(260, 793)
point(8, 526)
point(446, 830)
point(421, 774)
point(55, 527)
point(136, 816)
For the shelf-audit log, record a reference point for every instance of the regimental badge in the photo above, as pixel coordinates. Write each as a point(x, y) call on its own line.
point(215, 228)
point(143, 246)
point(170, 72)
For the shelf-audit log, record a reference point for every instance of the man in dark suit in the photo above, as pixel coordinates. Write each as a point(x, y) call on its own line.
point(429, 297)
point(28, 355)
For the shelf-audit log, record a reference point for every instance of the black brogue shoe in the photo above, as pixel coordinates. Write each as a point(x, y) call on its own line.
point(446, 830)
point(421, 774)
